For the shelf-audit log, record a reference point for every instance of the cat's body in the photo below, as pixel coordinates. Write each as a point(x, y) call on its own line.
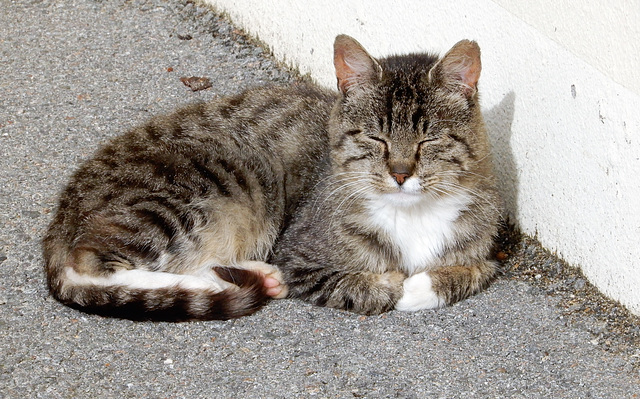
point(393, 181)
point(143, 223)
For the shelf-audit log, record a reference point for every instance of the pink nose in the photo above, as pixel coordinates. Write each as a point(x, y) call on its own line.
point(400, 177)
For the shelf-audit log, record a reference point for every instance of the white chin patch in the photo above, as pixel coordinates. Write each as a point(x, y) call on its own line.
point(409, 194)
point(402, 199)
point(418, 294)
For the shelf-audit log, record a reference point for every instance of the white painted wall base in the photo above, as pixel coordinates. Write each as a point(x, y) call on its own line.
point(565, 128)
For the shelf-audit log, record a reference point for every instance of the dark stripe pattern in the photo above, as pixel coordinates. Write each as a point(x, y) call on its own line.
point(173, 304)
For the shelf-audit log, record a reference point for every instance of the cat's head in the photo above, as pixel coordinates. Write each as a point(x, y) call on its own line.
point(408, 126)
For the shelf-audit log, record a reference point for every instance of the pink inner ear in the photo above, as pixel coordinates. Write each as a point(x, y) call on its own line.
point(354, 66)
point(462, 64)
point(343, 72)
point(470, 74)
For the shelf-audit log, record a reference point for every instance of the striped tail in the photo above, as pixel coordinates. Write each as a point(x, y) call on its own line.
point(157, 296)
point(174, 303)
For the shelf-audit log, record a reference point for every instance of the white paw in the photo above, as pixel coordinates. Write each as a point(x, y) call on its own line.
point(418, 294)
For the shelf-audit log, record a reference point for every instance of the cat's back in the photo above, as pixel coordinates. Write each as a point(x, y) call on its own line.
point(258, 111)
point(264, 116)
point(266, 140)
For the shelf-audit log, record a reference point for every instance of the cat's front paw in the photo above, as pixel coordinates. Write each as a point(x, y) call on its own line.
point(418, 294)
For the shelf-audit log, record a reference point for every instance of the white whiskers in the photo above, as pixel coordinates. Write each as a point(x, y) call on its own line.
point(451, 188)
point(347, 187)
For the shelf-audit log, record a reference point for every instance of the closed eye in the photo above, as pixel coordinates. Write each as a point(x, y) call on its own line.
point(433, 135)
point(357, 132)
point(378, 139)
point(429, 140)
point(380, 143)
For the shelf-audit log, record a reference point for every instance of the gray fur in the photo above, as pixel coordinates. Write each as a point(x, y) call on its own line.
point(410, 115)
point(210, 185)
point(281, 175)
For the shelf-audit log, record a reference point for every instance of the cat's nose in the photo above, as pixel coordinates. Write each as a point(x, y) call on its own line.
point(400, 177)
point(400, 170)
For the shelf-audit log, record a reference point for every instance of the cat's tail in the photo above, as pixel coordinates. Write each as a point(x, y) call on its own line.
point(147, 295)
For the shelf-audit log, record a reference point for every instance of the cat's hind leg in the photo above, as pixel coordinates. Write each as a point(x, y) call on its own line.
point(444, 286)
point(273, 283)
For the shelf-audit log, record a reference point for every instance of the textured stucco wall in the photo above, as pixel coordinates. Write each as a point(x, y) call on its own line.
point(604, 34)
point(562, 104)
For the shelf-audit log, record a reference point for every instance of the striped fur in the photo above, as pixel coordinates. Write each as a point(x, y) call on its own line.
point(381, 197)
point(174, 219)
point(406, 214)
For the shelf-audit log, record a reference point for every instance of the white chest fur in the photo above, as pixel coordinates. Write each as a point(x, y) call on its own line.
point(421, 230)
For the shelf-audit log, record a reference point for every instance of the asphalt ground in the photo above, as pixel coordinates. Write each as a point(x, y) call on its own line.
point(74, 73)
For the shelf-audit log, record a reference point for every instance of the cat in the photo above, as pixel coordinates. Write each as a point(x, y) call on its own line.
point(405, 216)
point(376, 197)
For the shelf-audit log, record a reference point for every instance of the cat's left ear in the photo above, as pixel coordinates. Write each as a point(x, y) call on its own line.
point(459, 70)
point(355, 68)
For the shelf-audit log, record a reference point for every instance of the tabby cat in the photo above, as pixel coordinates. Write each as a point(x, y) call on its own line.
point(378, 197)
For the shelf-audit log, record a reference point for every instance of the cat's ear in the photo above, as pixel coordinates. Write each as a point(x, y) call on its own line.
point(459, 69)
point(355, 68)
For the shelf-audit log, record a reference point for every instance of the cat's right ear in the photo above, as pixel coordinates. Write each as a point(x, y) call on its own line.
point(355, 68)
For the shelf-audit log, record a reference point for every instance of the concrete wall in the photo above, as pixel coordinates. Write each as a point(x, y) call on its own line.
point(561, 93)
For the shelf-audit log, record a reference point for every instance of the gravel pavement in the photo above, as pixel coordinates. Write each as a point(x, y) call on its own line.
point(76, 72)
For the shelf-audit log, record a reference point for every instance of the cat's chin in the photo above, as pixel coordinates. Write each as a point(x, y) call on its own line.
point(402, 199)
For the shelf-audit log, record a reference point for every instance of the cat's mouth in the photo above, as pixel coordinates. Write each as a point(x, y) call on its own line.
point(407, 193)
